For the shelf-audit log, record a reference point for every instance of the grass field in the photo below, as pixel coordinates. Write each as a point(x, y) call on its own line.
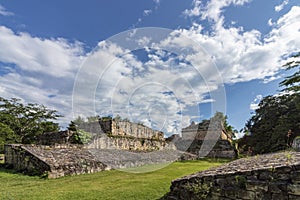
point(103, 185)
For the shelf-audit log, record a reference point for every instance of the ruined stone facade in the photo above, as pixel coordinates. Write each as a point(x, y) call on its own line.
point(271, 176)
point(196, 138)
point(126, 135)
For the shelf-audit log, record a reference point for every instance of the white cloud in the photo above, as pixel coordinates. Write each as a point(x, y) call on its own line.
point(156, 1)
point(4, 12)
point(247, 55)
point(54, 57)
point(195, 11)
point(270, 22)
point(39, 70)
point(255, 102)
point(279, 7)
point(212, 9)
point(147, 12)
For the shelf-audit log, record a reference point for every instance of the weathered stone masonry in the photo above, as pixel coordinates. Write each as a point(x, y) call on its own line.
point(52, 162)
point(265, 177)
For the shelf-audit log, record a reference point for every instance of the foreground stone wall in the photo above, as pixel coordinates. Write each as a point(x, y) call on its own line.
point(272, 176)
point(65, 159)
point(52, 161)
point(22, 160)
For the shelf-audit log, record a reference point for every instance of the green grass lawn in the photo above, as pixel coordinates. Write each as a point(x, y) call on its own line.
point(103, 185)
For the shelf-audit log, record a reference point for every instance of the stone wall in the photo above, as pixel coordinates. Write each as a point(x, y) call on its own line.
point(205, 130)
point(52, 161)
point(129, 143)
point(129, 129)
point(17, 157)
point(265, 177)
point(66, 159)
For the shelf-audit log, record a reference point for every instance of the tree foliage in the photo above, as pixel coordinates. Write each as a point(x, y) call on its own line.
point(269, 127)
point(22, 123)
point(292, 82)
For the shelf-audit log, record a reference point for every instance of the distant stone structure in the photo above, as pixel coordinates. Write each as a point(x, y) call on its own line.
point(125, 135)
point(197, 136)
point(266, 177)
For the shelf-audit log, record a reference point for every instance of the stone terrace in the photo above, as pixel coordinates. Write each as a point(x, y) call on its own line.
point(62, 160)
point(270, 176)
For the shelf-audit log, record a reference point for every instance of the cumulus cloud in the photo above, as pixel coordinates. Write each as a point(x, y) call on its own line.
point(4, 12)
point(39, 70)
point(247, 55)
point(54, 57)
point(212, 9)
point(279, 7)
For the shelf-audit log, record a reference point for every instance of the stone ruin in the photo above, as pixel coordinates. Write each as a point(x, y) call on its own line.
point(198, 139)
point(265, 177)
point(114, 144)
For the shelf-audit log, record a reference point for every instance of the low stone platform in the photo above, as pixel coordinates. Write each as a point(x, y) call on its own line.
point(62, 160)
point(270, 176)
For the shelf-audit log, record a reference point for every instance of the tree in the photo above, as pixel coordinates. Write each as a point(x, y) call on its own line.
point(27, 121)
point(6, 136)
point(269, 127)
point(93, 118)
point(292, 82)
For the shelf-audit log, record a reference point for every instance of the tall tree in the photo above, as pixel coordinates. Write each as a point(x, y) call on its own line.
point(27, 121)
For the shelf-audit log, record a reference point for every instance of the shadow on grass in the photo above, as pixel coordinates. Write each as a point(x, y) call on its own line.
point(7, 169)
point(4, 168)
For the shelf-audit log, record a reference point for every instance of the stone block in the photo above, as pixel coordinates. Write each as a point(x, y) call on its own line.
point(293, 197)
point(257, 186)
point(296, 144)
point(278, 187)
point(293, 189)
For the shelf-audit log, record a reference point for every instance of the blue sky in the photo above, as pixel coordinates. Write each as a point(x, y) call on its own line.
point(46, 46)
